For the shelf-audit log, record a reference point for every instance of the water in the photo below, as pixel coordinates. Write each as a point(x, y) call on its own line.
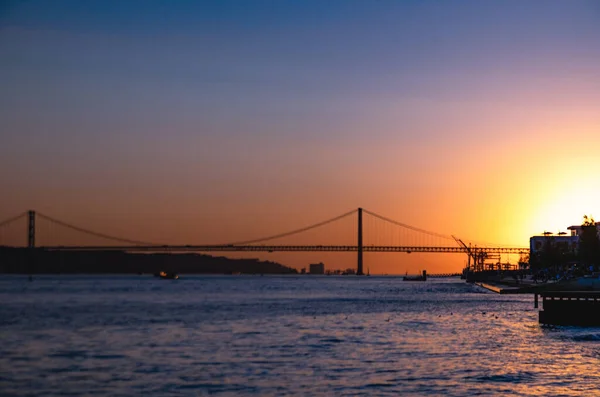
point(293, 335)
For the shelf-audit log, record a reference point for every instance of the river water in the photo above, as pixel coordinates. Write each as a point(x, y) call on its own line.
point(292, 335)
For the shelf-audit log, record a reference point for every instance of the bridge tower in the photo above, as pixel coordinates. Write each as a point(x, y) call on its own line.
point(359, 268)
point(31, 229)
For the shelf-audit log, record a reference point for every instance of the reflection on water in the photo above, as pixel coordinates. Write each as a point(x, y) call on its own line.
point(282, 335)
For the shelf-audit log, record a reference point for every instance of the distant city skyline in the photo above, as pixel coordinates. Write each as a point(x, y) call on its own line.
point(228, 120)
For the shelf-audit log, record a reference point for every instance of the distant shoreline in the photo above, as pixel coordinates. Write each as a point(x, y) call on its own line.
point(40, 261)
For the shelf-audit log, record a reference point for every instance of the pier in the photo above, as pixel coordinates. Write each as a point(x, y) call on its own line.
point(581, 308)
point(502, 289)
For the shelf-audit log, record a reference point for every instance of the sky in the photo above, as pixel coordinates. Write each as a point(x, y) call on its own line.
point(212, 121)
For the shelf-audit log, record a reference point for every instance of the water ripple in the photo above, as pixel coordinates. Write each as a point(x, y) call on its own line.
point(121, 336)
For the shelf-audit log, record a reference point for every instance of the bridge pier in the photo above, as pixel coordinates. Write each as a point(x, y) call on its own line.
point(31, 229)
point(31, 254)
point(359, 267)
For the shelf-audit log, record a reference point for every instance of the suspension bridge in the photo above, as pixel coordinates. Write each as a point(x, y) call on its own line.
point(384, 235)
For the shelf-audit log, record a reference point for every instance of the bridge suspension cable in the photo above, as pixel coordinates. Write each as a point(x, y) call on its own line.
point(14, 218)
point(416, 229)
point(93, 233)
point(482, 244)
point(303, 229)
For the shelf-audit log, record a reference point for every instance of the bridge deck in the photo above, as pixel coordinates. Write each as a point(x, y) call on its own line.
point(287, 248)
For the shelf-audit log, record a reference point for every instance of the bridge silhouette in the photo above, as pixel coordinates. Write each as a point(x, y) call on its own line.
point(406, 239)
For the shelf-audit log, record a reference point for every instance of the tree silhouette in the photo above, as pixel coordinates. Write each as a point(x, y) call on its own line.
point(589, 244)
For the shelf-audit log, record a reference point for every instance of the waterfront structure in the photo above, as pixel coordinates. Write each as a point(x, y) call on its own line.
point(581, 308)
point(420, 277)
point(563, 241)
point(576, 230)
point(338, 272)
point(317, 268)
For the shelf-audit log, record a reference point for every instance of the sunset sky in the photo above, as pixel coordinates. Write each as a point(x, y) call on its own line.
point(213, 121)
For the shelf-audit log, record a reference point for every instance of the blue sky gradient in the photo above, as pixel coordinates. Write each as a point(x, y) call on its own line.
point(206, 107)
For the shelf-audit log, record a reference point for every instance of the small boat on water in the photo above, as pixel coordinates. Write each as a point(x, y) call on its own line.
point(170, 275)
